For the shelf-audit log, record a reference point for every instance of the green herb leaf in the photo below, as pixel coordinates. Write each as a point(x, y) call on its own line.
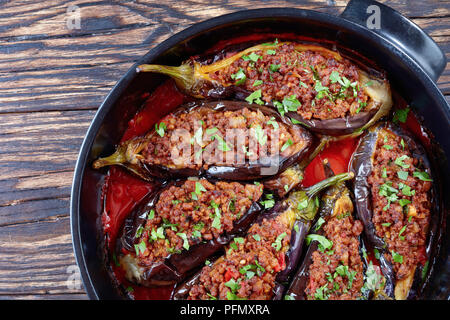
point(277, 243)
point(422, 175)
point(257, 83)
point(402, 175)
point(326, 244)
point(274, 67)
point(160, 129)
point(185, 240)
point(255, 97)
point(397, 257)
point(400, 115)
point(286, 145)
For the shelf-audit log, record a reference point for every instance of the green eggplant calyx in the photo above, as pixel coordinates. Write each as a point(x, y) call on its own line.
point(183, 75)
point(306, 202)
point(315, 189)
point(118, 157)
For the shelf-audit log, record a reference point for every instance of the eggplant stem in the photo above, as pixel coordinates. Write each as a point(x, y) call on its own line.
point(183, 75)
point(313, 190)
point(117, 157)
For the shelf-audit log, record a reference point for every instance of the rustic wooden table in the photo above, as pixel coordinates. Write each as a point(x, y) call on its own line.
point(53, 80)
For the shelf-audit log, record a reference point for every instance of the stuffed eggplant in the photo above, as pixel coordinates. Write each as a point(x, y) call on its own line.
point(395, 200)
point(334, 264)
point(176, 229)
point(227, 140)
point(315, 86)
point(257, 266)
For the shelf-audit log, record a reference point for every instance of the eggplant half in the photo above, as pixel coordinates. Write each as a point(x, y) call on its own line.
point(395, 199)
point(315, 86)
point(174, 230)
point(258, 265)
point(335, 266)
point(226, 139)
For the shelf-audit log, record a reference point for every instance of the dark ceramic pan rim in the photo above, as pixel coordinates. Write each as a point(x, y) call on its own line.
point(269, 13)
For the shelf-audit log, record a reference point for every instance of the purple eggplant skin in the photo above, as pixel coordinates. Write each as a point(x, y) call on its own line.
point(361, 166)
point(176, 266)
point(335, 127)
point(301, 222)
point(128, 158)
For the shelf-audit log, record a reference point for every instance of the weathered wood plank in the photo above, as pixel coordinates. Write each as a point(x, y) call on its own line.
point(49, 18)
point(33, 143)
point(37, 258)
point(38, 154)
point(82, 79)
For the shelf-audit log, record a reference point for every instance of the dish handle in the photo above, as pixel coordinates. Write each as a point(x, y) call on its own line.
point(400, 32)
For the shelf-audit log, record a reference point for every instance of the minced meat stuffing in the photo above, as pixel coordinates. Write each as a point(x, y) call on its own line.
point(336, 272)
point(317, 85)
point(193, 212)
point(208, 139)
point(401, 202)
point(249, 267)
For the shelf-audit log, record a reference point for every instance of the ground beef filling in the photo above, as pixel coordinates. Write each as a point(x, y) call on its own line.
point(193, 212)
point(205, 137)
point(249, 267)
point(401, 203)
point(336, 273)
point(318, 86)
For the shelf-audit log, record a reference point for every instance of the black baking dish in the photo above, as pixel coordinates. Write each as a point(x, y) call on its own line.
point(411, 59)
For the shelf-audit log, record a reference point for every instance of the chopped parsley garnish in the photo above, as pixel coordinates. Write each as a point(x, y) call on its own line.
point(422, 175)
point(321, 90)
point(260, 135)
point(139, 231)
point(274, 67)
point(271, 52)
point(160, 129)
point(404, 202)
point(400, 233)
point(397, 257)
point(399, 161)
point(257, 83)
point(402, 175)
point(400, 115)
point(185, 240)
point(274, 123)
point(239, 76)
point(257, 237)
point(251, 57)
point(140, 247)
point(277, 243)
point(199, 188)
point(255, 97)
point(222, 145)
point(324, 242)
point(216, 221)
point(319, 223)
point(286, 145)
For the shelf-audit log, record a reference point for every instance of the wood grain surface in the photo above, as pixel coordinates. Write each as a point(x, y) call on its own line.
point(52, 81)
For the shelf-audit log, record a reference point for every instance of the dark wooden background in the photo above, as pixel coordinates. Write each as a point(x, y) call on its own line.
point(52, 81)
